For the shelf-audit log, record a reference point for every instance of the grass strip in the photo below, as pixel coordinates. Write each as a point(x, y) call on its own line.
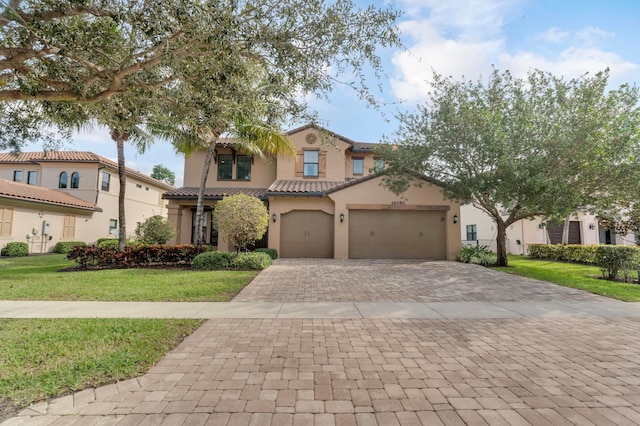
point(46, 358)
point(574, 275)
point(37, 278)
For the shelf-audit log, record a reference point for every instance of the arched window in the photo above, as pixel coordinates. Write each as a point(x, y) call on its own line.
point(75, 180)
point(63, 180)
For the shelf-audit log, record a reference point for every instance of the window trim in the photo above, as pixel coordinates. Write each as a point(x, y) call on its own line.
point(472, 230)
point(220, 162)
point(106, 187)
point(75, 180)
point(246, 159)
point(310, 163)
point(33, 173)
point(63, 184)
point(356, 160)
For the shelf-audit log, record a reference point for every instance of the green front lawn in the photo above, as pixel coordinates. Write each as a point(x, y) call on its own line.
point(42, 359)
point(36, 278)
point(46, 358)
point(574, 275)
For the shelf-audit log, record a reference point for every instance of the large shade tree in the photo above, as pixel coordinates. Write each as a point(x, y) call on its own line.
point(89, 51)
point(539, 146)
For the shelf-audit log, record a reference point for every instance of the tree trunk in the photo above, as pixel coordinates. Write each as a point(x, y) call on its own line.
point(200, 238)
point(120, 137)
point(501, 243)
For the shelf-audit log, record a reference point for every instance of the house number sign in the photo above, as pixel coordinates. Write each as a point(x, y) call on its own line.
point(397, 203)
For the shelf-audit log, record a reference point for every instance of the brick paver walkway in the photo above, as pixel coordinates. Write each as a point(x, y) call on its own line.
point(361, 372)
point(328, 280)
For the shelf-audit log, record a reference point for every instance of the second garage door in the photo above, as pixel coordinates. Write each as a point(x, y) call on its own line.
point(306, 233)
point(397, 234)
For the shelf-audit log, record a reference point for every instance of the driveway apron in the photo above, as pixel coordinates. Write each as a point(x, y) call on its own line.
point(559, 366)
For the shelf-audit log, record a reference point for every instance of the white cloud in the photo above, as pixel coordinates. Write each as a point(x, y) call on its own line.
point(554, 35)
point(465, 38)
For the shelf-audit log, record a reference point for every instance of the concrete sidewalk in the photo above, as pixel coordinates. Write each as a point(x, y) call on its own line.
point(561, 308)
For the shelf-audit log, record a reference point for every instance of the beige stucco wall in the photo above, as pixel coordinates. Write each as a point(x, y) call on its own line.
point(29, 216)
point(370, 193)
point(263, 172)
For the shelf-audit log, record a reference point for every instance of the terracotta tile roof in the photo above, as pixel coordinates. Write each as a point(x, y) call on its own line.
point(352, 182)
point(212, 193)
point(316, 187)
point(75, 157)
point(21, 191)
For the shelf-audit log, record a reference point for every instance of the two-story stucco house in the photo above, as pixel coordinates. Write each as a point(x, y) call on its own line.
point(71, 195)
point(326, 201)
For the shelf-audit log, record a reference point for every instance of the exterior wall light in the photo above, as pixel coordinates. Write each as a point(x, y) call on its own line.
point(592, 226)
point(455, 218)
point(273, 217)
point(541, 226)
point(341, 217)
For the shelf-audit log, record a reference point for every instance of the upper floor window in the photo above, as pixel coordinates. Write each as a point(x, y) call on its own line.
point(378, 164)
point(472, 233)
point(243, 168)
point(31, 177)
point(17, 175)
point(106, 180)
point(62, 182)
point(311, 162)
point(358, 165)
point(75, 180)
point(225, 166)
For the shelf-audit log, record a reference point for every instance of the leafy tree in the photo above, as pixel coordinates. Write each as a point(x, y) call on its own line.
point(93, 51)
point(162, 173)
point(155, 230)
point(521, 148)
point(241, 219)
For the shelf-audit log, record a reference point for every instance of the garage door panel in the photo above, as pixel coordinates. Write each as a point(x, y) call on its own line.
point(401, 234)
point(306, 233)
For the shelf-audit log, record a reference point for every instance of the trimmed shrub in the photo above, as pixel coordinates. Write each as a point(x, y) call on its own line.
point(15, 249)
point(65, 247)
point(155, 230)
point(213, 260)
point(271, 252)
point(615, 259)
point(251, 261)
point(569, 253)
point(113, 242)
point(479, 255)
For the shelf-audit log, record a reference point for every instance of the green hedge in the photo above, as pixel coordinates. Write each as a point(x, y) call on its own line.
point(615, 259)
point(15, 249)
point(611, 259)
point(65, 247)
point(214, 260)
point(141, 255)
point(568, 253)
point(271, 252)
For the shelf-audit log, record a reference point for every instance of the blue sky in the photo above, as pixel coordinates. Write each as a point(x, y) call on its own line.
point(459, 38)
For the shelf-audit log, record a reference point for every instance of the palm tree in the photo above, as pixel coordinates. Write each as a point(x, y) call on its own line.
point(250, 136)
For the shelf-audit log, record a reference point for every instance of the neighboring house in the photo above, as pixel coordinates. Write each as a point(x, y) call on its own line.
point(84, 176)
point(478, 228)
point(326, 201)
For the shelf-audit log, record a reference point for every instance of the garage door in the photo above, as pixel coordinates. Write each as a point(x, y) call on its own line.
point(399, 234)
point(306, 233)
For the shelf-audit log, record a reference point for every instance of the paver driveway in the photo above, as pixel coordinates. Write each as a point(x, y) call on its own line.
point(328, 280)
point(539, 371)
